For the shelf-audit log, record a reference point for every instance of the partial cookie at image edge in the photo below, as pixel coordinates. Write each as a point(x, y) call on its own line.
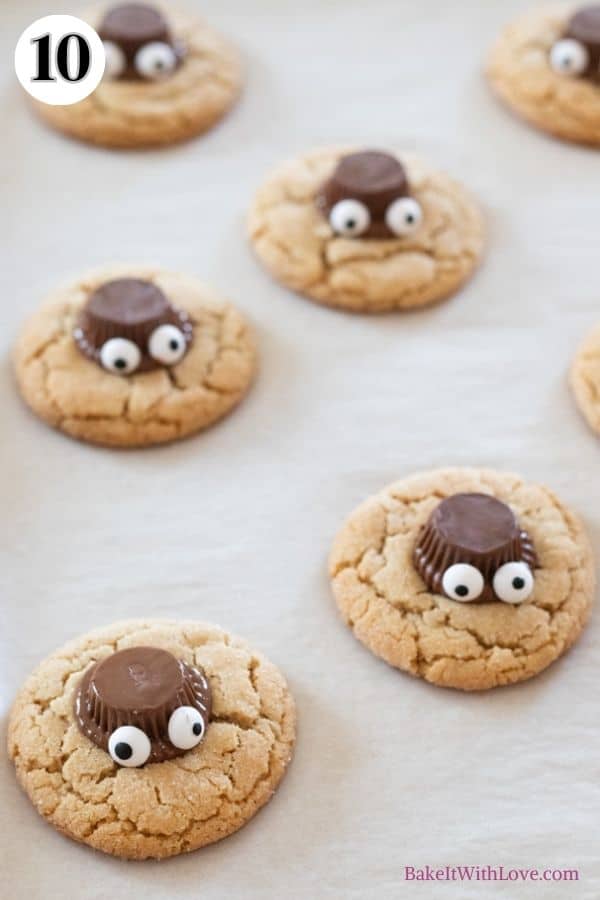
point(145, 115)
point(584, 378)
point(520, 76)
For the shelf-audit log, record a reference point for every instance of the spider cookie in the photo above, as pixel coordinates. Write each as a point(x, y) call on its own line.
point(130, 357)
point(546, 67)
point(367, 231)
point(168, 77)
point(143, 705)
point(468, 578)
point(148, 739)
point(585, 379)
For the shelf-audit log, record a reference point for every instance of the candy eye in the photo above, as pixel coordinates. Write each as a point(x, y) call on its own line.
point(120, 356)
point(129, 746)
point(463, 582)
point(349, 218)
point(569, 57)
point(186, 727)
point(116, 62)
point(166, 344)
point(513, 582)
point(403, 216)
point(155, 60)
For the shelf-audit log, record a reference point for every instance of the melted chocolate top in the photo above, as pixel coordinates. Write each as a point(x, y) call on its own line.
point(477, 524)
point(128, 303)
point(584, 26)
point(132, 25)
point(143, 679)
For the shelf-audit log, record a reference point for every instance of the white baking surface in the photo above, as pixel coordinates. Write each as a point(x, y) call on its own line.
point(234, 526)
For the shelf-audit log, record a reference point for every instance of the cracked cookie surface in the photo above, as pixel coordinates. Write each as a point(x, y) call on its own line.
point(585, 379)
point(77, 396)
point(137, 114)
point(471, 646)
point(520, 73)
point(298, 247)
point(165, 808)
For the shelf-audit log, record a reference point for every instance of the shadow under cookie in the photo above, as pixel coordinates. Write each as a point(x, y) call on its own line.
point(519, 71)
point(466, 645)
point(295, 240)
point(78, 396)
point(165, 808)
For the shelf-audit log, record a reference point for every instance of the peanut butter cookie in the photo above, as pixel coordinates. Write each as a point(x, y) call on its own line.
point(186, 735)
point(366, 230)
point(129, 357)
point(468, 578)
point(168, 77)
point(545, 66)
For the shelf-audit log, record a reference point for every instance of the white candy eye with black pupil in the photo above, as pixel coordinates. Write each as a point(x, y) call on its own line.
point(569, 57)
point(349, 218)
point(403, 216)
point(116, 63)
point(155, 60)
point(186, 727)
point(463, 582)
point(166, 344)
point(120, 356)
point(129, 746)
point(513, 582)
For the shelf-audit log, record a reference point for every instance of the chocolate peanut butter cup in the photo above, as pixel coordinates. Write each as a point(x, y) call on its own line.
point(467, 546)
point(129, 325)
point(138, 42)
point(584, 27)
point(143, 705)
point(131, 25)
point(577, 53)
point(368, 195)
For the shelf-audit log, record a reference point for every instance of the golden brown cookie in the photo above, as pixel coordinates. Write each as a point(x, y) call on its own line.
point(163, 808)
point(585, 379)
point(137, 113)
point(467, 645)
point(297, 244)
point(78, 396)
point(521, 72)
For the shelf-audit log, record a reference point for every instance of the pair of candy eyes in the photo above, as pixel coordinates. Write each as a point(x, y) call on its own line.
point(512, 583)
point(569, 57)
point(166, 346)
point(152, 61)
point(351, 218)
point(130, 746)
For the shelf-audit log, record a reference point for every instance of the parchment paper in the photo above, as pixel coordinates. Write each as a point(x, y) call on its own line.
point(234, 526)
